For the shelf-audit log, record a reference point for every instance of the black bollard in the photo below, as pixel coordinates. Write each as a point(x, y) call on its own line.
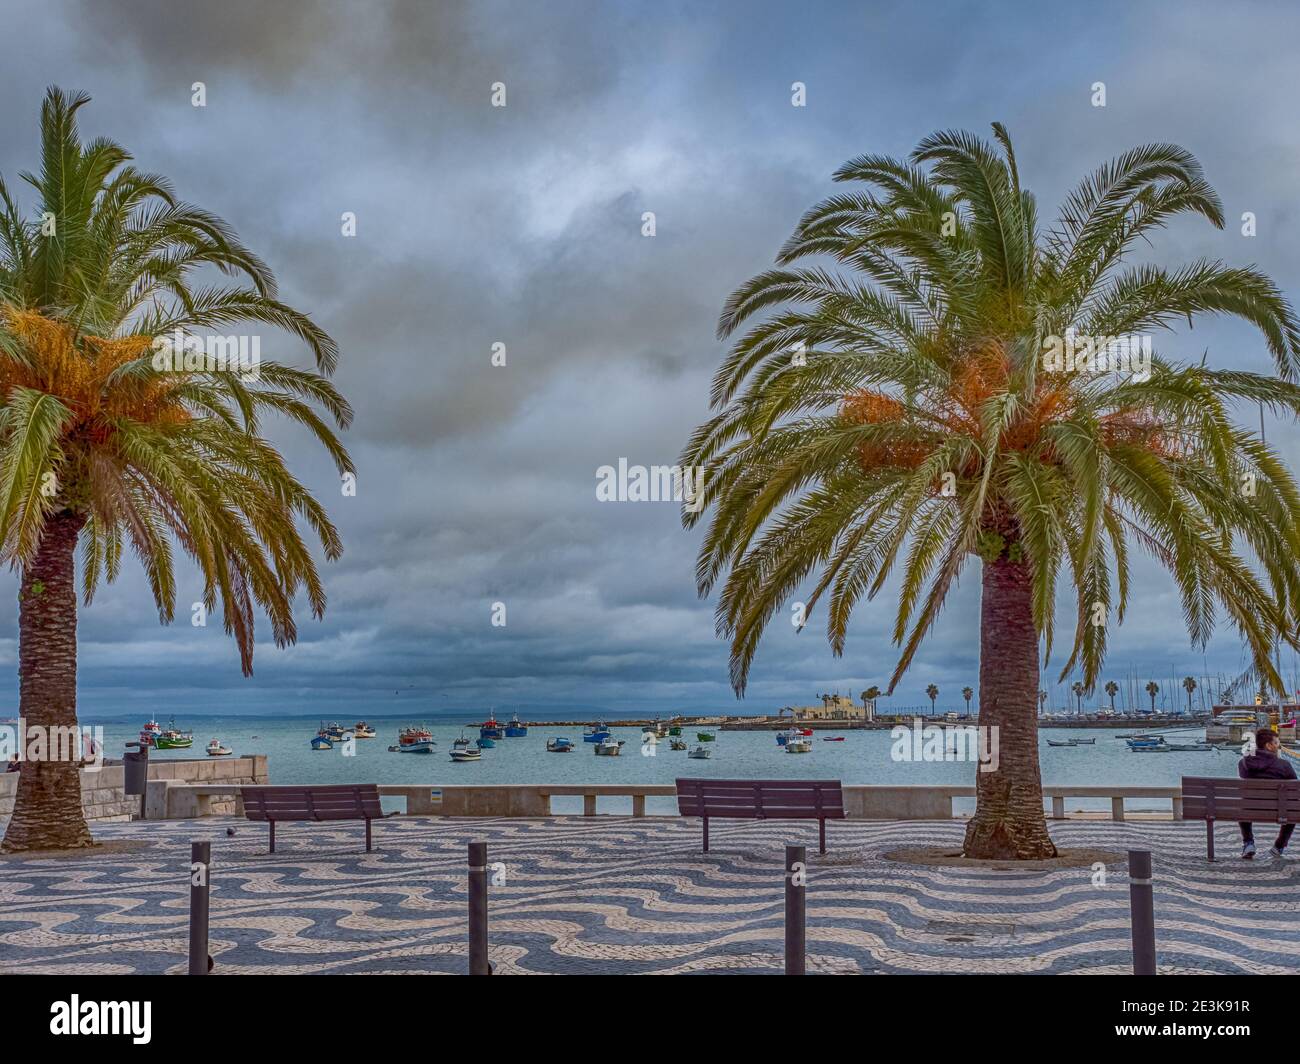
point(200, 881)
point(1142, 912)
point(796, 904)
point(478, 910)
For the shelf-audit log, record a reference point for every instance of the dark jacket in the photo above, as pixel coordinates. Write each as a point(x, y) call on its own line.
point(1261, 765)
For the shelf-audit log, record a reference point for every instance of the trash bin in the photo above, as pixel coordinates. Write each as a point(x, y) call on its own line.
point(136, 774)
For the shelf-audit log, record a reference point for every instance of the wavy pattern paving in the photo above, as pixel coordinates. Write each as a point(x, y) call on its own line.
point(614, 895)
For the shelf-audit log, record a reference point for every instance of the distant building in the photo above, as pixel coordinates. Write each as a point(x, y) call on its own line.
point(833, 707)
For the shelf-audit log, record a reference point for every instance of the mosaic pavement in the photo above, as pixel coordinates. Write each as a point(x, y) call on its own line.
point(614, 895)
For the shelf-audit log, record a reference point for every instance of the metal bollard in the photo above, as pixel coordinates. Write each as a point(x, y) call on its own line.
point(200, 881)
point(478, 910)
point(796, 908)
point(1142, 912)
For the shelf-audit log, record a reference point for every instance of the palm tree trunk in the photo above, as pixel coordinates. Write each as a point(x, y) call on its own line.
point(1009, 822)
point(47, 812)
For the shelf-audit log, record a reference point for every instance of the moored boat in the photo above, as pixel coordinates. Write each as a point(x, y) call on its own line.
point(799, 746)
point(490, 729)
point(362, 730)
point(700, 753)
point(466, 753)
point(676, 743)
point(171, 739)
point(215, 749)
point(415, 740)
point(485, 743)
point(559, 746)
point(516, 728)
point(321, 742)
point(609, 747)
point(595, 733)
point(832, 738)
point(149, 733)
point(705, 736)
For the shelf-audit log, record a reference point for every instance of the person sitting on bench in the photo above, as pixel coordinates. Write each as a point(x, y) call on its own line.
point(1264, 764)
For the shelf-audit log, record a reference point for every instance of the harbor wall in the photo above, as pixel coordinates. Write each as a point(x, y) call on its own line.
point(103, 797)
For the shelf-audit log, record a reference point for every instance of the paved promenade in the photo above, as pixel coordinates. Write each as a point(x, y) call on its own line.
point(635, 896)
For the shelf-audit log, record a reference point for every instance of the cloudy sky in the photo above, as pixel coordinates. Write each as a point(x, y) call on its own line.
point(522, 225)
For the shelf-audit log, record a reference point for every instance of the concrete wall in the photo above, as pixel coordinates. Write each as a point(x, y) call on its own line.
point(102, 796)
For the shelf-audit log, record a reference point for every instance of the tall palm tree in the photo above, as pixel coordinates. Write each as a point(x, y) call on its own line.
point(1112, 689)
point(105, 444)
point(967, 693)
point(1078, 689)
point(932, 693)
point(1189, 685)
point(891, 416)
point(1153, 689)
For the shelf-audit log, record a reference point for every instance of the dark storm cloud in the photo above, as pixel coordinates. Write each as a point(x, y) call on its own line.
point(522, 225)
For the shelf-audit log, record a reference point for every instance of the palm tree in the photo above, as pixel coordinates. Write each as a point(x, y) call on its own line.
point(105, 445)
point(967, 693)
point(1078, 690)
point(1189, 685)
point(870, 695)
point(1153, 689)
point(1112, 689)
point(918, 431)
point(932, 693)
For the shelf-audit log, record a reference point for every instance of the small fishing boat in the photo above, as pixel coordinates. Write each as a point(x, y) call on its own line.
point(1084, 742)
point(460, 744)
point(490, 729)
point(700, 753)
point(675, 743)
point(486, 743)
point(333, 730)
point(799, 746)
point(705, 736)
point(215, 749)
point(149, 733)
point(784, 737)
point(321, 742)
point(466, 753)
point(171, 739)
point(362, 730)
point(832, 738)
point(1173, 748)
point(674, 729)
point(1064, 742)
point(1145, 742)
point(595, 733)
point(415, 740)
point(609, 747)
point(516, 728)
point(559, 746)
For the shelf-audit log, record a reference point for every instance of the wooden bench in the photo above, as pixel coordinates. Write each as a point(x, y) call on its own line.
point(819, 800)
point(349, 801)
point(1212, 798)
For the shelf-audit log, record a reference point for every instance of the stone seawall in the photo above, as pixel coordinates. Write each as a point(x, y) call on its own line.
point(103, 797)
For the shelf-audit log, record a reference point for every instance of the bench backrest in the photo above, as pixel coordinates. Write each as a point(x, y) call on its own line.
point(1223, 798)
point(767, 799)
point(348, 801)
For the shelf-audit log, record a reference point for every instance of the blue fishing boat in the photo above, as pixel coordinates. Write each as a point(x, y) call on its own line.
point(490, 729)
point(595, 733)
point(321, 742)
point(516, 728)
point(485, 743)
point(559, 746)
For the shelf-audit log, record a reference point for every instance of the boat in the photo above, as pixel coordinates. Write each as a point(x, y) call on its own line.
point(1173, 748)
point(321, 742)
point(832, 738)
point(705, 736)
point(1143, 742)
point(674, 729)
point(362, 730)
point(608, 747)
point(1084, 742)
point(486, 743)
point(460, 744)
point(516, 728)
point(701, 753)
point(799, 746)
point(1064, 742)
point(171, 739)
point(415, 740)
point(490, 729)
point(466, 753)
point(149, 733)
point(784, 737)
point(595, 733)
point(559, 746)
point(675, 743)
point(333, 730)
point(215, 749)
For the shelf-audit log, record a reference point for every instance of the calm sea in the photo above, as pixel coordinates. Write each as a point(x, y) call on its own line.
point(864, 757)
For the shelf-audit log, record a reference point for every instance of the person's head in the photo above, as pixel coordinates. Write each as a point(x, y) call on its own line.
point(1266, 739)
